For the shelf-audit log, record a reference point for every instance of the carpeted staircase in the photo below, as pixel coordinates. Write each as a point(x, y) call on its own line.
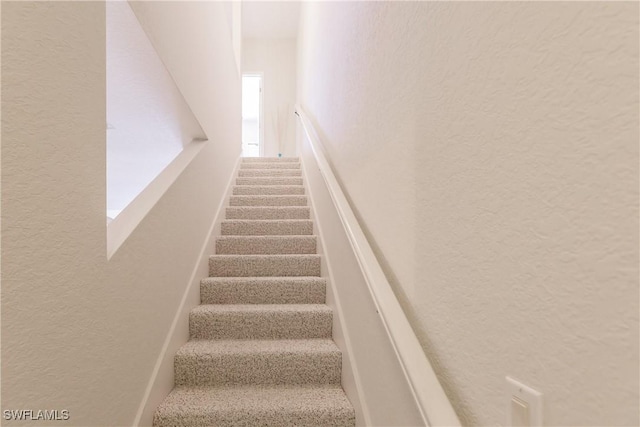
point(261, 352)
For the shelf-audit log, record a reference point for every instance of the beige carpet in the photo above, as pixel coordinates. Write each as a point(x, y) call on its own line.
point(261, 352)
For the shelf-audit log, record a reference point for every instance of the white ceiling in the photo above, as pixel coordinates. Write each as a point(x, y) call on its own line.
point(270, 19)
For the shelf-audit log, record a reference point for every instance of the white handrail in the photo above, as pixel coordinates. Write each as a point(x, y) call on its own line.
point(435, 408)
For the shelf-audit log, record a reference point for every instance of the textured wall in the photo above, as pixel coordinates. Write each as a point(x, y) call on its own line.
point(193, 40)
point(195, 43)
point(491, 153)
point(56, 339)
point(276, 58)
point(80, 332)
point(149, 120)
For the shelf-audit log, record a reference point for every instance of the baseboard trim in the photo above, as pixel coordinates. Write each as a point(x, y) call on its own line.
point(194, 280)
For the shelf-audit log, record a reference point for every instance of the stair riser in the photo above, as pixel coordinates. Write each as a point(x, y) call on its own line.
point(274, 418)
point(270, 159)
point(269, 181)
point(255, 291)
point(260, 325)
point(266, 190)
point(269, 173)
point(268, 201)
point(258, 369)
point(262, 212)
point(290, 227)
point(269, 165)
point(265, 245)
point(254, 266)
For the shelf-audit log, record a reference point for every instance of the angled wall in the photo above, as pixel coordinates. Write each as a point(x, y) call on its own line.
point(490, 151)
point(148, 120)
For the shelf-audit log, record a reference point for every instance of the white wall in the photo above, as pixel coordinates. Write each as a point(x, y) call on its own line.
point(276, 58)
point(194, 41)
point(233, 11)
point(57, 349)
point(149, 120)
point(196, 59)
point(80, 332)
point(490, 151)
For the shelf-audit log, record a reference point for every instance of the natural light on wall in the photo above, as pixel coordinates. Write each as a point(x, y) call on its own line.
point(251, 115)
point(148, 120)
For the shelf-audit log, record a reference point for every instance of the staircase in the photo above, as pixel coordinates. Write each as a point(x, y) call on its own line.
point(261, 352)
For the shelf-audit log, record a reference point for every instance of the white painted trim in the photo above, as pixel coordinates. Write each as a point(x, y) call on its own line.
point(123, 225)
point(203, 258)
point(348, 350)
point(435, 408)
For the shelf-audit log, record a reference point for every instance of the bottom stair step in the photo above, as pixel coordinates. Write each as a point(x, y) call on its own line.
point(256, 406)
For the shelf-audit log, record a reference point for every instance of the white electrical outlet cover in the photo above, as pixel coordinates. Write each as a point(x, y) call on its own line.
point(531, 397)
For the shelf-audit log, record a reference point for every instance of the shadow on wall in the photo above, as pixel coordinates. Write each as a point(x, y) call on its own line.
point(148, 120)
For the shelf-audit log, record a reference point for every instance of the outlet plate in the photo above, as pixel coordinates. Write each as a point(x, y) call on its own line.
point(524, 405)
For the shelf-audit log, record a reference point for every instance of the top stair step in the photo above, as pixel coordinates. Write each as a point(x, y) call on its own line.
point(268, 173)
point(270, 159)
point(269, 165)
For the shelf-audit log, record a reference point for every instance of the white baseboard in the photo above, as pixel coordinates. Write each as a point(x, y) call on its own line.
point(350, 374)
point(161, 380)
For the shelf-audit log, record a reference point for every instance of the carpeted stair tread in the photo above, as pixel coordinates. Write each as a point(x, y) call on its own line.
point(268, 212)
point(270, 159)
point(236, 362)
point(269, 172)
point(285, 200)
point(265, 190)
point(282, 180)
point(269, 165)
point(265, 406)
point(266, 245)
point(263, 227)
point(264, 265)
point(260, 321)
point(262, 290)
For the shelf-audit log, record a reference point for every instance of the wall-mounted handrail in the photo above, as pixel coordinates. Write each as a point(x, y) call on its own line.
point(435, 408)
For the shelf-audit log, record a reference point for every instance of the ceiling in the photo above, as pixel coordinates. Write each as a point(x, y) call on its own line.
point(270, 19)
